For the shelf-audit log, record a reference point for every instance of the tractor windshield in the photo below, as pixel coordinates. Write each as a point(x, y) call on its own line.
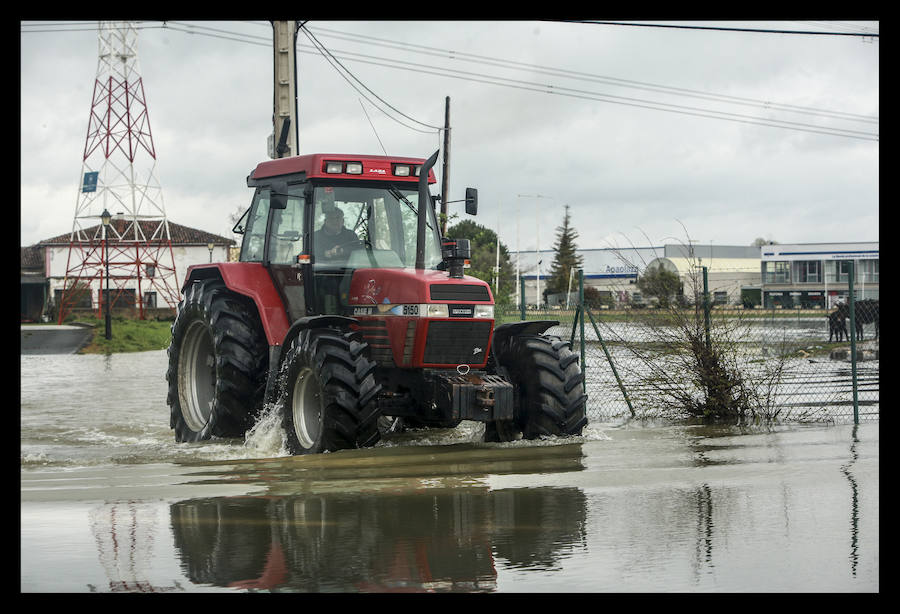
point(356, 226)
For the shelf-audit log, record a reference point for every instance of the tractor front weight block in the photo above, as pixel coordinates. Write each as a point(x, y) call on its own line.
point(472, 396)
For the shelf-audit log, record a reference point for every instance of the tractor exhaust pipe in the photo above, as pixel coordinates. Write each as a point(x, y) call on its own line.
point(424, 203)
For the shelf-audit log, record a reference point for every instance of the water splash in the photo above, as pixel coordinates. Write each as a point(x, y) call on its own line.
point(266, 439)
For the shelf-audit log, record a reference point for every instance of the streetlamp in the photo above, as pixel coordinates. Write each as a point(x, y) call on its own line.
point(537, 220)
point(210, 246)
point(105, 217)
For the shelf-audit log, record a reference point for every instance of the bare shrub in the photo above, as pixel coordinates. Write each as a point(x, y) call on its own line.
point(696, 362)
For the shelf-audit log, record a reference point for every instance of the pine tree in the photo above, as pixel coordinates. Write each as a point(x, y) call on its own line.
point(566, 258)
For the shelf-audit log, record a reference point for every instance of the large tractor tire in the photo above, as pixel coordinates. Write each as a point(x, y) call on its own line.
point(547, 383)
point(328, 392)
point(217, 364)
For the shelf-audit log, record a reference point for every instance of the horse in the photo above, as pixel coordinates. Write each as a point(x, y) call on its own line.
point(837, 327)
point(865, 312)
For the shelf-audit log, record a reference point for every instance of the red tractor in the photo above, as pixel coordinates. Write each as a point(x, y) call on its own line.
point(349, 312)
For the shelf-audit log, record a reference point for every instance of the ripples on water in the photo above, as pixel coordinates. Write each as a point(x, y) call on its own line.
point(112, 504)
point(83, 410)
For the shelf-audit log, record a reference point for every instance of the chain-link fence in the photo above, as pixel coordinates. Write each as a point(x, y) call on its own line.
point(713, 355)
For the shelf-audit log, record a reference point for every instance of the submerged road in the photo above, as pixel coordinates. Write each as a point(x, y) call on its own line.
point(54, 339)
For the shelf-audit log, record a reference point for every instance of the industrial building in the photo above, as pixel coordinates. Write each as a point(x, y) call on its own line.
point(811, 275)
point(606, 269)
point(614, 271)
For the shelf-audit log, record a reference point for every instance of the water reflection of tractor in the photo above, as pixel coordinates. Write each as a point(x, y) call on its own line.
point(350, 311)
point(433, 540)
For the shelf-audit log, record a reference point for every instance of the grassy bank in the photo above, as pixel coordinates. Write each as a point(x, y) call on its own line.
point(127, 335)
point(132, 335)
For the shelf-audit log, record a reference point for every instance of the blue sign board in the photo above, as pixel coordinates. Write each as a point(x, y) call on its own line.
point(90, 182)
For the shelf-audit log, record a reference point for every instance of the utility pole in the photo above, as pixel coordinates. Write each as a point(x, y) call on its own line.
point(445, 187)
point(284, 44)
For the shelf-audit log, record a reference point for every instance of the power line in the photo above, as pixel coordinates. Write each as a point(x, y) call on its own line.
point(373, 127)
point(481, 59)
point(599, 97)
point(696, 112)
point(721, 28)
point(329, 56)
point(550, 89)
point(234, 36)
point(90, 26)
point(851, 27)
point(576, 75)
point(267, 41)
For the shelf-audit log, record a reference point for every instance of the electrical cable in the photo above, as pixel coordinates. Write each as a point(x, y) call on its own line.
point(373, 126)
point(482, 59)
point(603, 97)
point(720, 28)
point(328, 57)
point(767, 105)
point(550, 89)
point(324, 50)
point(634, 102)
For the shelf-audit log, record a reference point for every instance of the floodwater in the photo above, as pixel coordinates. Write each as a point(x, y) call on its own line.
point(110, 503)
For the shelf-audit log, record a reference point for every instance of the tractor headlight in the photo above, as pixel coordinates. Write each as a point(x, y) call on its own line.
point(484, 311)
point(437, 310)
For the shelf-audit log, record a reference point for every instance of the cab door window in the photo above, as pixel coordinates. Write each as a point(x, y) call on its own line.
point(255, 229)
point(287, 240)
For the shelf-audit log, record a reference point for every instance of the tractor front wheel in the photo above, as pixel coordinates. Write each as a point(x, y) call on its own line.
point(328, 392)
point(547, 383)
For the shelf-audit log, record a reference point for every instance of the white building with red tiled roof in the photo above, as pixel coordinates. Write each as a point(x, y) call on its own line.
point(43, 269)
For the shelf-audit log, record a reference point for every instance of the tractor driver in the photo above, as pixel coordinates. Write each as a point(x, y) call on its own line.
point(333, 240)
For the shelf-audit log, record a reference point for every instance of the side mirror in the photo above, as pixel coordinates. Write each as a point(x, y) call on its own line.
point(278, 195)
point(471, 201)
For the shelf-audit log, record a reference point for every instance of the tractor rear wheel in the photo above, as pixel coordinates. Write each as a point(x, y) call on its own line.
point(217, 364)
point(328, 392)
point(547, 383)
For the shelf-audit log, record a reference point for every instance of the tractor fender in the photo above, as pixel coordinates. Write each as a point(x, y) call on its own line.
point(277, 351)
point(322, 321)
point(250, 279)
point(514, 329)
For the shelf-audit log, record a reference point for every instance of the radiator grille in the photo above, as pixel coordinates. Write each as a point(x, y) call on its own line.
point(375, 334)
point(459, 292)
point(457, 343)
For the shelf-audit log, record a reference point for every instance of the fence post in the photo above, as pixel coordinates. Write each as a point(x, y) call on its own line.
point(522, 297)
point(575, 326)
point(706, 307)
point(610, 360)
point(853, 342)
point(581, 324)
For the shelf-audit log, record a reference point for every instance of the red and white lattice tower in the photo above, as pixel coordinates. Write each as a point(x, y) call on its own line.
point(119, 176)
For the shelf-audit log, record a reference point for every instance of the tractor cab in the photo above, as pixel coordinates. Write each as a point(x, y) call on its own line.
point(313, 229)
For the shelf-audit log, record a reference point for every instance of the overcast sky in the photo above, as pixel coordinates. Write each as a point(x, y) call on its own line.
point(650, 135)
